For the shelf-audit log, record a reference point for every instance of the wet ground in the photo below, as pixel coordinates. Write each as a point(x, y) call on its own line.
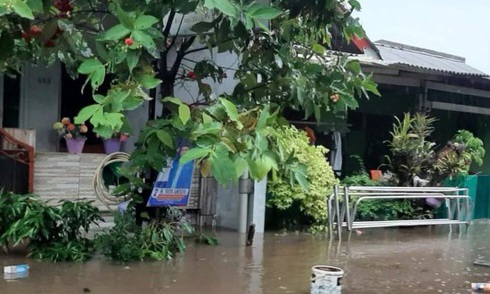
point(410, 260)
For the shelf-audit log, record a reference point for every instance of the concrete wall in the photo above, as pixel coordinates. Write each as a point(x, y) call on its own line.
point(137, 118)
point(60, 176)
point(39, 103)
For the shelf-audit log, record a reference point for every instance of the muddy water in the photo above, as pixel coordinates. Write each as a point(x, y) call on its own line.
point(415, 260)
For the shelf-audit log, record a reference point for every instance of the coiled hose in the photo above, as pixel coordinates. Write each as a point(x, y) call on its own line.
point(102, 192)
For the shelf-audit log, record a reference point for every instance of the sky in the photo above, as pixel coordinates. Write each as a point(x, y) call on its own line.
point(458, 27)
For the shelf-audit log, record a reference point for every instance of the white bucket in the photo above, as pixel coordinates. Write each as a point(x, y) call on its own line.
point(326, 279)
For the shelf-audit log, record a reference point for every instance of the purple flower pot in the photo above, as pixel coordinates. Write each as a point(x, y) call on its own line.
point(75, 145)
point(434, 202)
point(112, 145)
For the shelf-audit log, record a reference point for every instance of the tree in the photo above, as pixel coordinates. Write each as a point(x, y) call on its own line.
point(284, 62)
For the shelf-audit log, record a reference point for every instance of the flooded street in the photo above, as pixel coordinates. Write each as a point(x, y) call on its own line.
point(410, 260)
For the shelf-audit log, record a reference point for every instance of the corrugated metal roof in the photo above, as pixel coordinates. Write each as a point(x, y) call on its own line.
point(399, 54)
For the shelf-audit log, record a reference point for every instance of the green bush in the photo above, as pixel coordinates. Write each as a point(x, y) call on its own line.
point(321, 179)
point(55, 233)
point(160, 240)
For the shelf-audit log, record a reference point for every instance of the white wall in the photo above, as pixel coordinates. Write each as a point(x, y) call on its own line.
point(39, 103)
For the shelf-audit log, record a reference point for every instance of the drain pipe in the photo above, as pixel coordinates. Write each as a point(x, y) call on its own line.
point(244, 190)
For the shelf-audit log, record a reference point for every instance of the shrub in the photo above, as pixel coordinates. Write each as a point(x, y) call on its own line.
point(55, 233)
point(321, 179)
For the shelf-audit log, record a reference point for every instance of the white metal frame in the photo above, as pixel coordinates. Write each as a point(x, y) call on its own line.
point(342, 213)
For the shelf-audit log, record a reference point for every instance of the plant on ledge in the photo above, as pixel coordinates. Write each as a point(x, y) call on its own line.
point(414, 156)
point(68, 130)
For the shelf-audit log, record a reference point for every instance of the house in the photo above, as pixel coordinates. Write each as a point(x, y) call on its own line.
point(412, 79)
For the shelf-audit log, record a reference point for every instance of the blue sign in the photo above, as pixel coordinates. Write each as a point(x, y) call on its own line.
point(173, 184)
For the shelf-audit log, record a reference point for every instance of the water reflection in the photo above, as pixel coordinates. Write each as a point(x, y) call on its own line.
point(408, 260)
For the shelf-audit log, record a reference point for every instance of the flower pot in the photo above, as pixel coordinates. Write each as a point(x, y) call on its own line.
point(75, 145)
point(112, 145)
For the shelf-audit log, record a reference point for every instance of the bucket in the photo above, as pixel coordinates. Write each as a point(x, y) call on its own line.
point(433, 202)
point(326, 279)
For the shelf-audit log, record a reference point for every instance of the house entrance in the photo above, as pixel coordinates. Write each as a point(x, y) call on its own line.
point(72, 101)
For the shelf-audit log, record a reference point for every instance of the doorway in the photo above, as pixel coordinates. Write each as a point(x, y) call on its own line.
point(73, 100)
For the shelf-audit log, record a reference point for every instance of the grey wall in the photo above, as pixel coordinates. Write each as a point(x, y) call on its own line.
point(39, 103)
point(227, 207)
point(137, 118)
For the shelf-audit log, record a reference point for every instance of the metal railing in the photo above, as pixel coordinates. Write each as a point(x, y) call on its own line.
point(20, 157)
point(343, 206)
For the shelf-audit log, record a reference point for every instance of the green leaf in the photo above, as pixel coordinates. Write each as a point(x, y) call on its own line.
point(90, 66)
point(132, 59)
point(36, 5)
point(318, 49)
point(260, 11)
point(206, 118)
point(86, 113)
point(115, 120)
point(144, 39)
point(194, 153)
point(22, 9)
point(124, 18)
point(240, 165)
point(230, 108)
point(98, 118)
point(149, 81)
point(115, 33)
point(222, 167)
point(97, 78)
point(264, 116)
point(132, 103)
point(144, 22)
point(349, 101)
point(165, 138)
point(370, 85)
point(225, 6)
point(184, 113)
point(258, 168)
point(99, 98)
point(202, 27)
point(173, 100)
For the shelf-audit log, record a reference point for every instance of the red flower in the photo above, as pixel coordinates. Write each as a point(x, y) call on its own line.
point(129, 41)
point(35, 31)
point(123, 138)
point(70, 127)
point(192, 75)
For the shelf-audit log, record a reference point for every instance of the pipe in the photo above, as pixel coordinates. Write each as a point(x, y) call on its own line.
point(243, 207)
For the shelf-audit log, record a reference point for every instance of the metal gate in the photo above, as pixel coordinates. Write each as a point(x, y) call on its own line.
point(16, 164)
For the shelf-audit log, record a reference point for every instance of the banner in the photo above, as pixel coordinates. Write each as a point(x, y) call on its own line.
point(173, 184)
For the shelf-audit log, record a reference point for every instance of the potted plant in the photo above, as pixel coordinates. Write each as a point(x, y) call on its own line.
point(74, 134)
point(113, 143)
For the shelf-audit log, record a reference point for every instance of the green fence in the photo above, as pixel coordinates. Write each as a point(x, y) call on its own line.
point(479, 191)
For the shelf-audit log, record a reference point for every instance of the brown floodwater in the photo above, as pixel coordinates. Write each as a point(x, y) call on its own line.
point(410, 260)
